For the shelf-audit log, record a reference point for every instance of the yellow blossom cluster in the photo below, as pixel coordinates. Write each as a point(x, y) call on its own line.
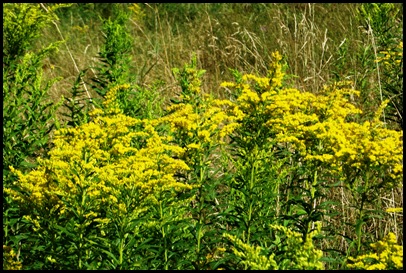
point(388, 255)
point(355, 145)
point(110, 100)
point(105, 160)
point(322, 127)
point(196, 125)
point(299, 254)
point(275, 73)
point(302, 255)
point(251, 255)
point(207, 124)
point(394, 210)
point(251, 98)
point(10, 259)
point(198, 121)
point(391, 57)
point(256, 92)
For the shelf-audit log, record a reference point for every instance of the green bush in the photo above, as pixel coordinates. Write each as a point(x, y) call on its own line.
point(28, 113)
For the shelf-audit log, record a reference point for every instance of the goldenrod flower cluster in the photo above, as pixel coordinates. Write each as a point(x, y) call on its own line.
point(298, 255)
point(251, 256)
point(301, 255)
point(199, 121)
point(137, 13)
point(275, 72)
point(109, 160)
point(391, 57)
point(209, 123)
point(321, 127)
point(394, 210)
point(10, 259)
point(388, 255)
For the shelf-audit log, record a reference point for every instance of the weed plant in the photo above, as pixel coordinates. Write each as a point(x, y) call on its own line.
point(265, 159)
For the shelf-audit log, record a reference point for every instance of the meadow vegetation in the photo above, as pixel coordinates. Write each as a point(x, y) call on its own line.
point(202, 136)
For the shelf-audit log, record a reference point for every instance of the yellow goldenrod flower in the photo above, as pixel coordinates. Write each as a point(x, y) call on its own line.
point(388, 255)
point(394, 210)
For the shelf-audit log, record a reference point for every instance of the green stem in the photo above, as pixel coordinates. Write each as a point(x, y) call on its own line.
point(121, 251)
point(359, 226)
point(312, 189)
point(201, 205)
point(81, 212)
point(361, 214)
point(164, 236)
point(6, 225)
point(80, 248)
point(251, 202)
point(360, 222)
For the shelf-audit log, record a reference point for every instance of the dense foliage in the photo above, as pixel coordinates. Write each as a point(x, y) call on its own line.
point(265, 176)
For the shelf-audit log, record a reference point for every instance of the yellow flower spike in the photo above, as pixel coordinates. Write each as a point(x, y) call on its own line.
point(204, 135)
point(248, 96)
point(251, 256)
point(275, 71)
point(10, 259)
point(96, 112)
point(228, 84)
point(194, 146)
point(394, 210)
point(379, 112)
point(388, 255)
point(263, 83)
point(122, 208)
